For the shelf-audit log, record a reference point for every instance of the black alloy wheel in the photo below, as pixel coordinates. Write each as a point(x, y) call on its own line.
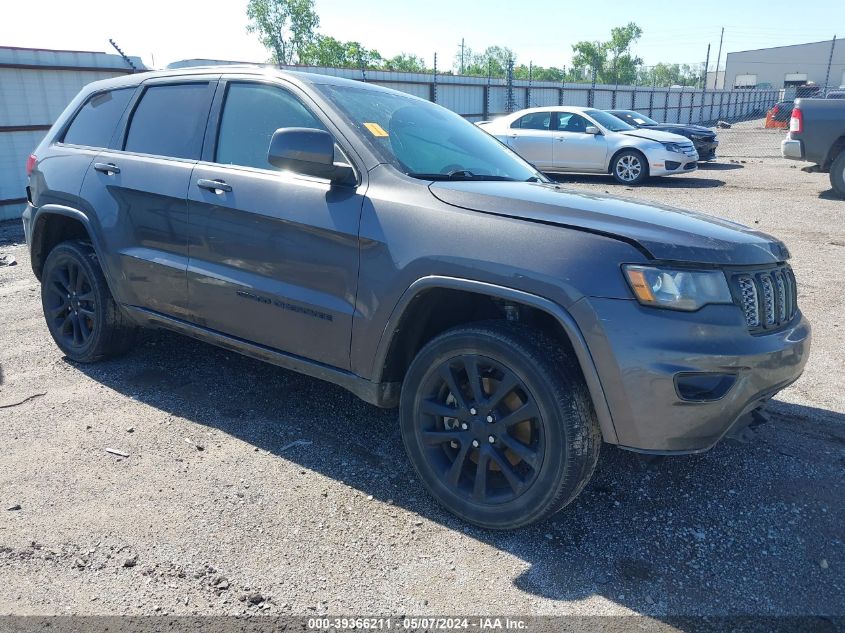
point(498, 423)
point(482, 429)
point(82, 316)
point(70, 305)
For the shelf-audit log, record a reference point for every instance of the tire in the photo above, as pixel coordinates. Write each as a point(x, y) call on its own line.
point(83, 318)
point(629, 167)
point(531, 468)
point(837, 174)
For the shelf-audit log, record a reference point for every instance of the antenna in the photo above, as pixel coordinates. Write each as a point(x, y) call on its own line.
point(123, 55)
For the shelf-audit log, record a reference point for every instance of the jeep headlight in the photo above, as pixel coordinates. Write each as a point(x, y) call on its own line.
point(673, 147)
point(677, 288)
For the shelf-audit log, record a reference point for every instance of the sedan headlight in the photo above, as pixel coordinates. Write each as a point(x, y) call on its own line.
point(673, 147)
point(677, 289)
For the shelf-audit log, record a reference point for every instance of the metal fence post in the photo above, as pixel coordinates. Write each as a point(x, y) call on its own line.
point(592, 91)
point(634, 96)
point(651, 97)
point(691, 104)
point(528, 88)
point(666, 105)
point(510, 102)
point(433, 87)
point(487, 90)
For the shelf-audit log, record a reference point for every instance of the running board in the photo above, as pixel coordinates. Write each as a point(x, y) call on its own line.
point(383, 394)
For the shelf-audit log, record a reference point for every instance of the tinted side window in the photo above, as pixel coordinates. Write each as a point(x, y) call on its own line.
point(95, 123)
point(251, 113)
point(169, 121)
point(534, 121)
point(568, 122)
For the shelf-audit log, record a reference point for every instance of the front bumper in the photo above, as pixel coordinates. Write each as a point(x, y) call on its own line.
point(706, 148)
point(792, 149)
point(640, 353)
point(664, 163)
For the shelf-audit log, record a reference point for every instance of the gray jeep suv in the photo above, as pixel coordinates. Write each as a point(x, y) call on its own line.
point(383, 243)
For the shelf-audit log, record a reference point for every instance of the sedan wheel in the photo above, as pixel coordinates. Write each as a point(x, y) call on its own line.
point(630, 168)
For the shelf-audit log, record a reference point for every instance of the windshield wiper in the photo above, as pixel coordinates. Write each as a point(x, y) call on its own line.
point(460, 174)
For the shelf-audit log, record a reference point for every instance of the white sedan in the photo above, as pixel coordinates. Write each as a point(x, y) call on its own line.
point(585, 140)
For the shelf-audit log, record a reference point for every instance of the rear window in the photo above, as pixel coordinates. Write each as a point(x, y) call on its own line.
point(169, 121)
point(534, 121)
point(96, 122)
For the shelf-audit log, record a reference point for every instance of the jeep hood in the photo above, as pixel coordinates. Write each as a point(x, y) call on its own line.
point(664, 232)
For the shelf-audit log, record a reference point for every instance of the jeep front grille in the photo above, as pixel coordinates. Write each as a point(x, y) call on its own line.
point(767, 297)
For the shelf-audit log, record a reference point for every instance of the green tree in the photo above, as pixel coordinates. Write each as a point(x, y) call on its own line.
point(325, 50)
point(671, 75)
point(494, 59)
point(285, 27)
point(612, 60)
point(406, 63)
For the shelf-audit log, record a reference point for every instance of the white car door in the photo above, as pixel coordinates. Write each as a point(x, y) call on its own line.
point(574, 149)
point(532, 138)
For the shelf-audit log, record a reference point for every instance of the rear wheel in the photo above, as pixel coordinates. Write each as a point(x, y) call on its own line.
point(498, 424)
point(629, 167)
point(83, 318)
point(837, 174)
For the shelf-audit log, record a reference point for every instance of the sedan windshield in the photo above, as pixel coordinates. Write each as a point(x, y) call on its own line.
point(639, 119)
point(424, 140)
point(608, 121)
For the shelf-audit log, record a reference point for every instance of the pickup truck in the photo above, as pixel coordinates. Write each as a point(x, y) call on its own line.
point(817, 135)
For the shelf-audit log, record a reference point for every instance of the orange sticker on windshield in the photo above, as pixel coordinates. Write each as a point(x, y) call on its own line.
point(375, 129)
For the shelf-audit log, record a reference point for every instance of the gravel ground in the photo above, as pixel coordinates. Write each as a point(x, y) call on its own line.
point(252, 489)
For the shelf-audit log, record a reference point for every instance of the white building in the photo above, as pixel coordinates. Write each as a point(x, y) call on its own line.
point(35, 86)
point(787, 66)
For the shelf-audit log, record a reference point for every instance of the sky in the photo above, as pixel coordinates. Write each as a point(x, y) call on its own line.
point(162, 31)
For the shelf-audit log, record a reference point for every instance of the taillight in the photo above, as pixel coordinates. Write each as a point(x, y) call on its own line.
point(775, 110)
point(796, 123)
point(30, 164)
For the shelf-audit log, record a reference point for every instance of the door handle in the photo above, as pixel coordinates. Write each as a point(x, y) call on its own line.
point(107, 168)
point(561, 139)
point(217, 186)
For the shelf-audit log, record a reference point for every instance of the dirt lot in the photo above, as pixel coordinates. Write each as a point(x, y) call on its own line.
point(244, 479)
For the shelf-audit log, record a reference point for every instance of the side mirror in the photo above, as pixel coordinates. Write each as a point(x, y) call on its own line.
point(591, 129)
point(307, 151)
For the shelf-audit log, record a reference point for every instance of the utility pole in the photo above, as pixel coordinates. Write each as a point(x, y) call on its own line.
point(829, 62)
point(718, 60)
point(462, 55)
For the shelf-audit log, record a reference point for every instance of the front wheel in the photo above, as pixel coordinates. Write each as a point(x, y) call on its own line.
point(837, 174)
point(629, 167)
point(497, 422)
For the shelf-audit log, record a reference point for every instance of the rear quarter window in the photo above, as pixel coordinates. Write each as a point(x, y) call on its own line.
point(169, 120)
point(97, 120)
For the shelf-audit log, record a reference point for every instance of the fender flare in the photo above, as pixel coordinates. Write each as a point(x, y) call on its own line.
point(560, 314)
point(37, 223)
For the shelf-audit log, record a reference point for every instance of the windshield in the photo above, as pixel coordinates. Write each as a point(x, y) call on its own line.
point(607, 120)
point(424, 140)
point(639, 119)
